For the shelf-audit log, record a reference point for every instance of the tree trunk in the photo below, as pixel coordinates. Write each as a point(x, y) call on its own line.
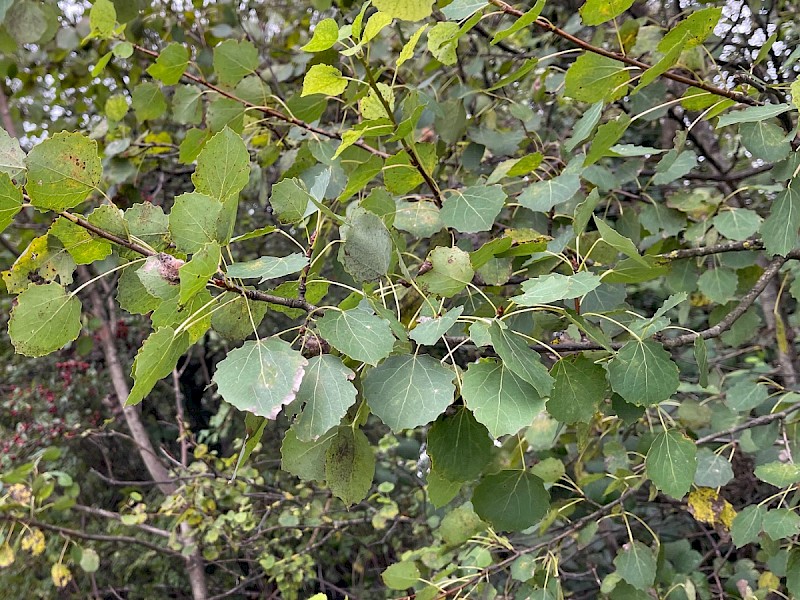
point(195, 565)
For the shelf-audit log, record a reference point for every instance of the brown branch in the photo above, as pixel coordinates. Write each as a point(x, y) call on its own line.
point(572, 529)
point(715, 249)
point(266, 110)
point(745, 303)
point(754, 422)
point(548, 26)
point(409, 148)
point(218, 282)
point(138, 248)
point(107, 514)
point(117, 539)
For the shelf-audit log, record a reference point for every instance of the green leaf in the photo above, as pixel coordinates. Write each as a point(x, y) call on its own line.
point(187, 107)
point(225, 112)
point(323, 79)
point(43, 260)
point(594, 78)
point(737, 223)
point(236, 317)
point(268, 267)
point(544, 195)
point(473, 209)
point(498, 398)
point(443, 41)
point(10, 201)
point(693, 30)
point(325, 394)
point(440, 490)
point(701, 356)
point(671, 463)
point(779, 474)
point(597, 12)
point(194, 275)
point(607, 135)
point(664, 64)
point(26, 21)
point(636, 564)
point(261, 376)
point(194, 315)
point(193, 221)
point(305, 460)
point(358, 334)
point(400, 176)
point(584, 127)
point(326, 34)
point(170, 64)
point(90, 561)
point(289, 200)
point(430, 330)
point(674, 165)
point(781, 523)
point(44, 320)
point(62, 170)
point(367, 249)
point(148, 222)
point(82, 246)
point(155, 360)
point(401, 575)
point(555, 287)
point(579, 388)
point(753, 114)
point(116, 107)
point(779, 229)
point(409, 391)
point(148, 101)
point(406, 10)
point(132, 295)
point(371, 106)
point(192, 145)
point(793, 573)
point(712, 469)
point(459, 446)
point(233, 60)
point(520, 359)
point(643, 373)
point(521, 23)
point(223, 166)
point(349, 465)
point(619, 242)
point(718, 285)
point(511, 500)
point(765, 140)
point(407, 53)
point(459, 10)
point(747, 525)
point(422, 219)
point(375, 25)
point(103, 18)
point(12, 158)
point(450, 273)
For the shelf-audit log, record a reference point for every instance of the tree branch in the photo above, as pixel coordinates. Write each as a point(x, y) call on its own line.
point(266, 110)
point(117, 539)
point(548, 26)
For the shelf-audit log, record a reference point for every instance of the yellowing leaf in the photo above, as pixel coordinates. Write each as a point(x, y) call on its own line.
point(324, 79)
point(407, 10)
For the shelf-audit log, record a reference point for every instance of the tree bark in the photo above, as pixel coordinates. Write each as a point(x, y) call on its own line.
point(195, 565)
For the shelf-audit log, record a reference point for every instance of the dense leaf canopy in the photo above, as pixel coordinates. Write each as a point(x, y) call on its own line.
point(455, 298)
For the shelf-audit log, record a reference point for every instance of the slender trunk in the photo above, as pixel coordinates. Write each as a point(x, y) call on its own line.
point(195, 565)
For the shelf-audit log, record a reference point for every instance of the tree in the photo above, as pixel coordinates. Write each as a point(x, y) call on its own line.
point(450, 298)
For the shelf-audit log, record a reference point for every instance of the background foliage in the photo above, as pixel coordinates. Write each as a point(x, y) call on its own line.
point(399, 299)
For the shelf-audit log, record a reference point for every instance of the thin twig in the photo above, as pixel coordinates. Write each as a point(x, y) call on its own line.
point(548, 26)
